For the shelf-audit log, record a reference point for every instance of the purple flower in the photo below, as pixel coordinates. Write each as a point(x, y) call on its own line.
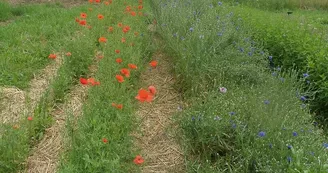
point(289, 159)
point(289, 147)
point(270, 145)
point(220, 3)
point(193, 118)
point(266, 102)
point(305, 75)
point(270, 58)
point(295, 134)
point(191, 29)
point(261, 134)
point(303, 98)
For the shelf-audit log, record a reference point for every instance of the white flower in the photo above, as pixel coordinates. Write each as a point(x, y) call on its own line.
point(223, 89)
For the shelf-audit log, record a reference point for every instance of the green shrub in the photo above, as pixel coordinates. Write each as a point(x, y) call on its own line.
point(292, 46)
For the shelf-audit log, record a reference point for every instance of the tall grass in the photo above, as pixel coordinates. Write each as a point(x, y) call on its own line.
point(262, 122)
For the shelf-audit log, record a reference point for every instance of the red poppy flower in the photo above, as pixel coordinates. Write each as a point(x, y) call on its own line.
point(93, 82)
point(140, 1)
point(100, 56)
point(119, 24)
point(140, 7)
point(98, 1)
point(29, 118)
point(83, 81)
point(153, 64)
point(106, 3)
point(119, 60)
point(110, 1)
point(123, 40)
point(128, 8)
point(125, 72)
point(144, 95)
point(117, 51)
point(83, 22)
point(138, 160)
point(117, 106)
point(68, 54)
point(102, 39)
point(90, 1)
point(100, 16)
point(132, 66)
point(133, 13)
point(52, 56)
point(110, 29)
point(120, 78)
point(77, 20)
point(152, 90)
point(104, 140)
point(83, 15)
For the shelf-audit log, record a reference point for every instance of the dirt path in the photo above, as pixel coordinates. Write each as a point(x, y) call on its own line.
point(46, 154)
point(159, 148)
point(16, 103)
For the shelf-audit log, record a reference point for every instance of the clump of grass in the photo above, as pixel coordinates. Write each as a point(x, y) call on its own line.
point(261, 122)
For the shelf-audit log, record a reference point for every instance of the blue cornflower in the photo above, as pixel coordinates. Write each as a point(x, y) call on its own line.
point(303, 98)
point(289, 159)
point(270, 58)
point(289, 147)
point(308, 82)
point(193, 118)
point(232, 113)
point(295, 134)
point(175, 34)
point(233, 125)
point(250, 53)
point(305, 75)
point(241, 49)
point(191, 29)
point(325, 145)
point(274, 74)
point(270, 145)
point(312, 153)
point(282, 79)
point(266, 102)
point(315, 123)
point(211, 5)
point(262, 53)
point(220, 3)
point(278, 69)
point(261, 134)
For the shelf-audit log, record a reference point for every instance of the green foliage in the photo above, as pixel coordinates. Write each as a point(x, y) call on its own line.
point(292, 45)
point(248, 128)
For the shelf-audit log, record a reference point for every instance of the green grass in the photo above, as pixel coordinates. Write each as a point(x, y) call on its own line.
point(249, 128)
point(86, 151)
point(26, 43)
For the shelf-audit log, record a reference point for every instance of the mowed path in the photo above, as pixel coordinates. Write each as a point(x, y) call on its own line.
point(159, 148)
